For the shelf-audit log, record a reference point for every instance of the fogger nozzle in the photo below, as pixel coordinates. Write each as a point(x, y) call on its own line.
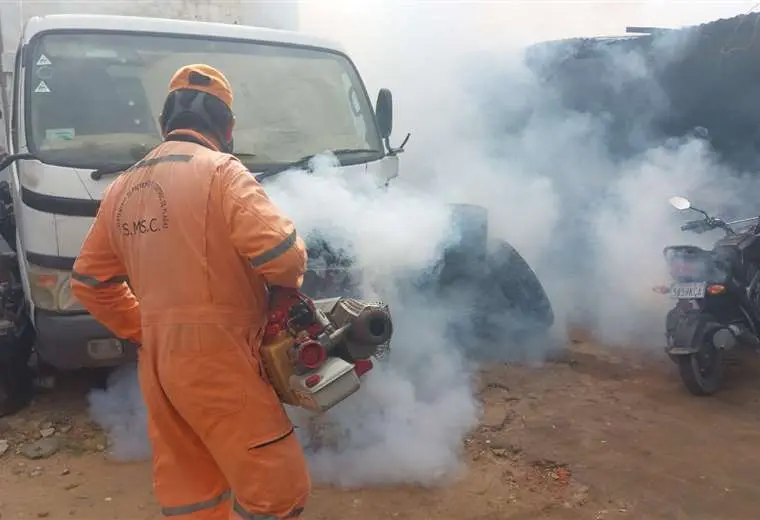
point(372, 327)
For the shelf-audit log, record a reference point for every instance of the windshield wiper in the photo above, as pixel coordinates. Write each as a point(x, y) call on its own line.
point(110, 169)
point(306, 159)
point(117, 168)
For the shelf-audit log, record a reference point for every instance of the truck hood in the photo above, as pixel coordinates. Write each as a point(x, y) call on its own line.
point(92, 188)
point(76, 183)
point(58, 181)
point(61, 234)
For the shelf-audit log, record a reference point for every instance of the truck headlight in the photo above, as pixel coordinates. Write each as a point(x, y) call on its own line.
point(51, 289)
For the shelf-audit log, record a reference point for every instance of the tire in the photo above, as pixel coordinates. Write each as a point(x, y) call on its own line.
point(505, 309)
point(702, 372)
point(519, 288)
point(16, 376)
point(515, 309)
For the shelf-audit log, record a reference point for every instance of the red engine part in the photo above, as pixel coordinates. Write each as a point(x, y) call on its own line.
point(362, 366)
point(311, 354)
point(281, 302)
point(313, 380)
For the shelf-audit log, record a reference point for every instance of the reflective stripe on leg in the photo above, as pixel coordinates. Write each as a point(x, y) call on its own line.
point(189, 509)
point(245, 515)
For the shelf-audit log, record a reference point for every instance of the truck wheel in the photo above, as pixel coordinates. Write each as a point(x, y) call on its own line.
point(16, 376)
point(505, 308)
point(514, 304)
point(520, 290)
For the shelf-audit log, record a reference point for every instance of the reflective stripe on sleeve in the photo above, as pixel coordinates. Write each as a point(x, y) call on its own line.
point(94, 282)
point(276, 251)
point(189, 509)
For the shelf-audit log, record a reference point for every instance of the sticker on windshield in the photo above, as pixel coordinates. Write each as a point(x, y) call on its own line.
point(59, 134)
point(42, 88)
point(43, 61)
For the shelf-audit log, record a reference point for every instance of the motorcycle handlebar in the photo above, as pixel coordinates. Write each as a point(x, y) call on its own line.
point(693, 225)
point(708, 224)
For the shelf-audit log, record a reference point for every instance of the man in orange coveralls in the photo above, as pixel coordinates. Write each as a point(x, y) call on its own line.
point(200, 241)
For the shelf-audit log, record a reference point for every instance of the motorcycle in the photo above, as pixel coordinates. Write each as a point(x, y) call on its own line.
point(717, 295)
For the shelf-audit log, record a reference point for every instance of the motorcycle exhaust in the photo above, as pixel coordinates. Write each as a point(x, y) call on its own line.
point(724, 339)
point(727, 338)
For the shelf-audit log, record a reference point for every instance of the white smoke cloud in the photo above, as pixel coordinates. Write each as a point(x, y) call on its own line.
point(487, 132)
point(406, 424)
point(120, 411)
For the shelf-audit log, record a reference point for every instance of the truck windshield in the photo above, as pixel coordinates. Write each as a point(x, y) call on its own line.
point(94, 98)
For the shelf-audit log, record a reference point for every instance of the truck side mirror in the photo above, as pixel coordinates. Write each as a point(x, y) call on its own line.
point(384, 112)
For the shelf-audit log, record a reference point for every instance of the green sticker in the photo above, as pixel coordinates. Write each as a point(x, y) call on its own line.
point(59, 134)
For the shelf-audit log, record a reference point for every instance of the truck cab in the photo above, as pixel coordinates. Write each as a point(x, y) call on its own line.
point(86, 94)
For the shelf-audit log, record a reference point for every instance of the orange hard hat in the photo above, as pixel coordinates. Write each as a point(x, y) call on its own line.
point(203, 78)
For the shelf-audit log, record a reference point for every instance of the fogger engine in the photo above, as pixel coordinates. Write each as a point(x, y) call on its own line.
point(315, 351)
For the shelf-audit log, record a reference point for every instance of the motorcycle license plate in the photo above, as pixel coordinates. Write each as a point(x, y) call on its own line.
point(688, 291)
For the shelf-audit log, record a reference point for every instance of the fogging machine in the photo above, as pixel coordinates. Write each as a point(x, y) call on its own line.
point(314, 352)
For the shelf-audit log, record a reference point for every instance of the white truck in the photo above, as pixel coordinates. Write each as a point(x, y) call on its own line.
point(84, 83)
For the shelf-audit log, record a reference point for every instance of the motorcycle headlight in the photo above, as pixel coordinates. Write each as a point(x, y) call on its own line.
point(51, 289)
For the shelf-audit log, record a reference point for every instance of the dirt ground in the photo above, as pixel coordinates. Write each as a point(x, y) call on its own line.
point(598, 434)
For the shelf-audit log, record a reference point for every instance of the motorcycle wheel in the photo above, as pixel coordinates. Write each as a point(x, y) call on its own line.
point(702, 372)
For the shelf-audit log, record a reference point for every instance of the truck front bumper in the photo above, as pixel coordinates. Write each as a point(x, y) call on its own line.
point(73, 341)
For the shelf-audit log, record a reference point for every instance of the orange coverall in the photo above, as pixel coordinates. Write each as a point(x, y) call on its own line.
point(199, 240)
